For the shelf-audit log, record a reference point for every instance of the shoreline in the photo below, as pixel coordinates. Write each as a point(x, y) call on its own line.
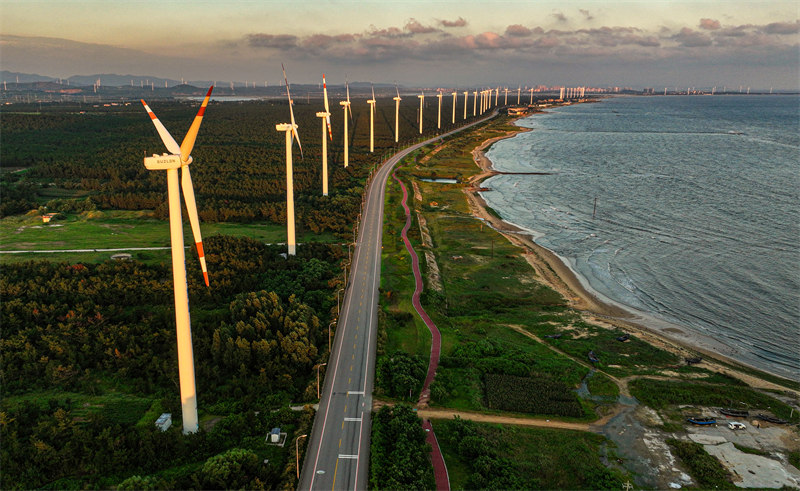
point(555, 272)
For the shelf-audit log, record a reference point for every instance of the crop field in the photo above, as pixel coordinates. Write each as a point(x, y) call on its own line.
point(535, 395)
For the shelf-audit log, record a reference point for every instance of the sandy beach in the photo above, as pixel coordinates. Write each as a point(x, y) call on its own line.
point(554, 272)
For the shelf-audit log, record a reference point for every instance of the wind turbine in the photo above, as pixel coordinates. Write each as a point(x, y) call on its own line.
point(180, 157)
point(346, 106)
point(397, 115)
point(475, 103)
point(371, 103)
point(421, 100)
point(505, 102)
point(455, 94)
point(439, 118)
point(325, 116)
point(531, 90)
point(519, 89)
point(466, 98)
point(291, 133)
point(496, 94)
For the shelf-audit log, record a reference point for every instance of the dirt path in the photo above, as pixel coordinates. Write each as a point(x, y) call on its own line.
point(437, 413)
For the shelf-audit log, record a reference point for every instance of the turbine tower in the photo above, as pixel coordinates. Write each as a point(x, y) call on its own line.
point(466, 98)
point(455, 94)
point(397, 115)
point(346, 106)
point(475, 103)
point(421, 100)
point(519, 90)
point(439, 117)
point(531, 90)
point(291, 134)
point(371, 103)
point(496, 95)
point(180, 157)
point(326, 122)
point(505, 102)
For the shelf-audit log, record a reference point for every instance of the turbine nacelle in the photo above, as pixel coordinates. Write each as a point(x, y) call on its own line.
point(163, 162)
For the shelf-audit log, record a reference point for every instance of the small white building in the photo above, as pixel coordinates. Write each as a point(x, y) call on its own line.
point(164, 421)
point(275, 435)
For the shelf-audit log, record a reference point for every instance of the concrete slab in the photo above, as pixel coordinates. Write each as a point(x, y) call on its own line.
point(752, 471)
point(704, 439)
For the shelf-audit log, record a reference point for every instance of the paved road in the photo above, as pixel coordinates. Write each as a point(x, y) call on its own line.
point(338, 450)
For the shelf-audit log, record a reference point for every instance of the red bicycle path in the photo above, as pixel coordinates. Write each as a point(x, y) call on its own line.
point(439, 467)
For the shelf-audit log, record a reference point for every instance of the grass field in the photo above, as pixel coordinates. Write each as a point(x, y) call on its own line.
point(119, 229)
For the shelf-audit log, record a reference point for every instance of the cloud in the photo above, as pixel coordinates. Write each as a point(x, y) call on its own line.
point(586, 14)
point(518, 30)
point(460, 22)
point(782, 28)
point(560, 17)
point(272, 40)
point(690, 38)
point(415, 27)
point(709, 24)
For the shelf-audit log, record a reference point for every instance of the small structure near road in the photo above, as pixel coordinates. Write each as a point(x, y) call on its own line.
point(164, 421)
point(122, 256)
point(48, 216)
point(276, 437)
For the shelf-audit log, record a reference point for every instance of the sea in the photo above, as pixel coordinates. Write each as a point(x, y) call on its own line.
point(682, 209)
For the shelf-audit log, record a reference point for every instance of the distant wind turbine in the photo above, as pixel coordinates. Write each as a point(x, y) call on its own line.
point(325, 117)
point(519, 89)
point(180, 158)
point(466, 98)
point(531, 89)
point(455, 95)
point(397, 115)
point(291, 133)
point(439, 117)
point(475, 103)
point(346, 106)
point(505, 102)
point(371, 103)
point(421, 101)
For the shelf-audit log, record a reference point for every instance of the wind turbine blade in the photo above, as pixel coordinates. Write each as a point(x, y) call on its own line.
point(291, 112)
point(349, 109)
point(373, 92)
point(327, 108)
point(170, 142)
point(191, 135)
point(398, 91)
point(191, 208)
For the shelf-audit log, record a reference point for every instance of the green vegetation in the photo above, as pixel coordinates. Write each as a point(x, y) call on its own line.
point(399, 453)
point(537, 395)
point(601, 385)
point(486, 456)
point(750, 450)
point(794, 458)
point(704, 468)
point(659, 394)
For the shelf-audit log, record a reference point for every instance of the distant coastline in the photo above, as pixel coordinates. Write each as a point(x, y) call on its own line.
point(556, 272)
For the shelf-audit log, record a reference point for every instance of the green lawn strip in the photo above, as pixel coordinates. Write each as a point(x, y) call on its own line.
point(601, 385)
point(660, 394)
point(121, 229)
point(480, 455)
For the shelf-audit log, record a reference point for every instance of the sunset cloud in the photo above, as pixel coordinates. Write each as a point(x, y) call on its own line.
point(460, 22)
point(709, 24)
point(518, 30)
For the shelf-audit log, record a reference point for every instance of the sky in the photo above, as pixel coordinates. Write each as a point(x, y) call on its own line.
point(642, 43)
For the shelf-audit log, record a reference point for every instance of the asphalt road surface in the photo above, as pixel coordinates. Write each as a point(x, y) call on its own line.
point(337, 455)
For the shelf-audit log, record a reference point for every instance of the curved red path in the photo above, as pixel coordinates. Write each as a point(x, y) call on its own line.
point(439, 467)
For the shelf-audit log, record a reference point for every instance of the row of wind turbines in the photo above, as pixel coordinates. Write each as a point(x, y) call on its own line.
point(179, 157)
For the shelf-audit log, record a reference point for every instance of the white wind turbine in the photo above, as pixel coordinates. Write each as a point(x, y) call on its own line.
point(421, 101)
point(496, 95)
point(346, 106)
point(519, 89)
point(455, 94)
point(466, 98)
point(291, 133)
point(439, 118)
point(505, 102)
point(325, 116)
point(531, 91)
point(397, 115)
point(475, 103)
point(180, 157)
point(371, 103)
